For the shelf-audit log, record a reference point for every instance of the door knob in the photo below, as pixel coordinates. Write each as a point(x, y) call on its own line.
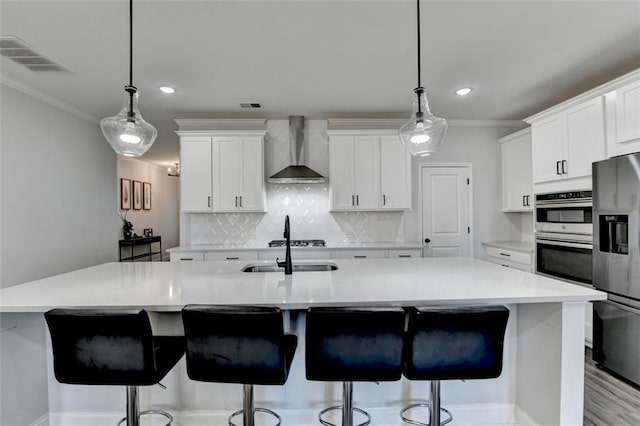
point(426, 240)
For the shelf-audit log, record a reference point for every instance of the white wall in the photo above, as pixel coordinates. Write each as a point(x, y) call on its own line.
point(477, 146)
point(57, 214)
point(164, 213)
point(58, 188)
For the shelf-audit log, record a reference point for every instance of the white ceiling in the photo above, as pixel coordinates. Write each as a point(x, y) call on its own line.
point(321, 59)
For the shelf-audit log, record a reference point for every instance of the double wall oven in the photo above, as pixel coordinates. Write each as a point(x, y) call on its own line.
point(564, 236)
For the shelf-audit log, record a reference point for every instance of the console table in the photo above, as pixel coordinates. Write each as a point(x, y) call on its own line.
point(134, 242)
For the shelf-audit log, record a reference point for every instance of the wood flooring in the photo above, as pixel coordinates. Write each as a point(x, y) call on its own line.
point(608, 401)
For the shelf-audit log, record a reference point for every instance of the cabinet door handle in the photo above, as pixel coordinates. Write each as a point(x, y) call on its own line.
point(209, 201)
point(524, 204)
point(236, 201)
point(558, 168)
point(353, 200)
point(241, 201)
point(384, 200)
point(505, 254)
point(564, 167)
point(357, 200)
point(528, 197)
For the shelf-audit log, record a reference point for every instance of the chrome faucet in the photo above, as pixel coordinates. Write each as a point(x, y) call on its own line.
point(287, 265)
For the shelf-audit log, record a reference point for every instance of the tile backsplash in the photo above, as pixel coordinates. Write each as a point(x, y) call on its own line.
point(308, 210)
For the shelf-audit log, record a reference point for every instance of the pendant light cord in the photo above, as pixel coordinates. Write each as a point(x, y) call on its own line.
point(131, 89)
point(419, 61)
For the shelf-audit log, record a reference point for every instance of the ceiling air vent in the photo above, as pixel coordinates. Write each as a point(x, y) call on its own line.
point(250, 105)
point(18, 51)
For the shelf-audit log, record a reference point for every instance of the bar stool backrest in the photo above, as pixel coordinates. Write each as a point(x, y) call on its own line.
point(101, 347)
point(235, 344)
point(461, 343)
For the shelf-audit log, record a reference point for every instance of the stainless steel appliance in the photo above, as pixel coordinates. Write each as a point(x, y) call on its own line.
point(616, 265)
point(564, 236)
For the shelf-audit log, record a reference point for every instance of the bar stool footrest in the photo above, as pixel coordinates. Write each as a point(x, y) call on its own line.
point(339, 407)
point(261, 410)
point(428, 407)
point(148, 412)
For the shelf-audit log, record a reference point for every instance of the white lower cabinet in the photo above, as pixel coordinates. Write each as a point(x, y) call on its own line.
point(186, 256)
point(232, 255)
point(509, 258)
point(359, 254)
point(301, 254)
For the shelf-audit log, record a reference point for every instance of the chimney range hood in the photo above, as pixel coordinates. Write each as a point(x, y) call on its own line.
point(297, 172)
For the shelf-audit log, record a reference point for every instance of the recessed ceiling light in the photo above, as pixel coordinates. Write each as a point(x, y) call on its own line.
point(464, 91)
point(167, 89)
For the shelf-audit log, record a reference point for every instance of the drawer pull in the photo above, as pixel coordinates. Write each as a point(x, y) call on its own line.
point(233, 258)
point(360, 257)
point(186, 258)
point(404, 255)
point(506, 266)
point(505, 254)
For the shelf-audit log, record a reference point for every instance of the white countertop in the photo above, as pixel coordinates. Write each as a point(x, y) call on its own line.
point(168, 286)
point(343, 246)
point(522, 246)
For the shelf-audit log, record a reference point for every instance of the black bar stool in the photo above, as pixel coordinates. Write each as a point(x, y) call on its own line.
point(238, 344)
point(448, 344)
point(112, 347)
point(350, 344)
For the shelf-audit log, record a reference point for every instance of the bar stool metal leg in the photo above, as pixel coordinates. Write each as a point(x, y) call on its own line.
point(133, 409)
point(249, 410)
point(433, 407)
point(347, 409)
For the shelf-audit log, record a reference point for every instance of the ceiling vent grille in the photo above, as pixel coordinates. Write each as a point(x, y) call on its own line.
point(250, 105)
point(18, 51)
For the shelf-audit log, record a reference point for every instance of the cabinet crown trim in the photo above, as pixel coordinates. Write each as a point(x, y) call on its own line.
point(393, 124)
point(586, 96)
point(214, 133)
point(225, 124)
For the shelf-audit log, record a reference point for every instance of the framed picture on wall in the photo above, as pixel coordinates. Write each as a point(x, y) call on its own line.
point(146, 196)
point(137, 195)
point(125, 194)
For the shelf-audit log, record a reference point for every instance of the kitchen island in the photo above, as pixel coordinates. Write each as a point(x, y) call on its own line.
point(542, 381)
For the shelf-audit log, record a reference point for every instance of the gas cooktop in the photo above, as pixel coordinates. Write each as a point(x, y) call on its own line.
point(298, 243)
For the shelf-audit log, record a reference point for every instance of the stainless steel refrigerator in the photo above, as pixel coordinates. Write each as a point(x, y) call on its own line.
point(616, 265)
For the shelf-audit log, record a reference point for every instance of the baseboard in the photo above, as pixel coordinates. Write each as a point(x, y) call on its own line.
point(464, 415)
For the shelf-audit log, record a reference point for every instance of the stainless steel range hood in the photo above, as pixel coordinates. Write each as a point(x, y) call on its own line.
point(297, 172)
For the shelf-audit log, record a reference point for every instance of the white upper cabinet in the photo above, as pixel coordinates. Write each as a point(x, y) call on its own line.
point(517, 186)
point(222, 173)
point(195, 174)
point(567, 142)
point(368, 171)
point(238, 178)
point(623, 120)
point(395, 174)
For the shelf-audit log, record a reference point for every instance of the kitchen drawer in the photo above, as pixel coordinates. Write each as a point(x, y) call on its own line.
point(184, 256)
point(510, 255)
point(297, 254)
point(404, 253)
point(231, 255)
point(509, 264)
point(359, 254)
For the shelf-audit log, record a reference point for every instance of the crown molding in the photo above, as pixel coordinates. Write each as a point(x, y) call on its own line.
point(587, 96)
point(394, 124)
point(519, 133)
point(45, 97)
point(197, 124)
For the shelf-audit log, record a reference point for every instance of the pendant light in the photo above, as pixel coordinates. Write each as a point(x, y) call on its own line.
point(424, 132)
point(128, 133)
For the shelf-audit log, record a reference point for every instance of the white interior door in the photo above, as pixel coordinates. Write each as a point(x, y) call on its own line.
point(445, 211)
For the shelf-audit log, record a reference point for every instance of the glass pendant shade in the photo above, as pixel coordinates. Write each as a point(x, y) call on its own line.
point(424, 132)
point(128, 133)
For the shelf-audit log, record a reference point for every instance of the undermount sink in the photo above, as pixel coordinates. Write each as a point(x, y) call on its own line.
point(297, 267)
